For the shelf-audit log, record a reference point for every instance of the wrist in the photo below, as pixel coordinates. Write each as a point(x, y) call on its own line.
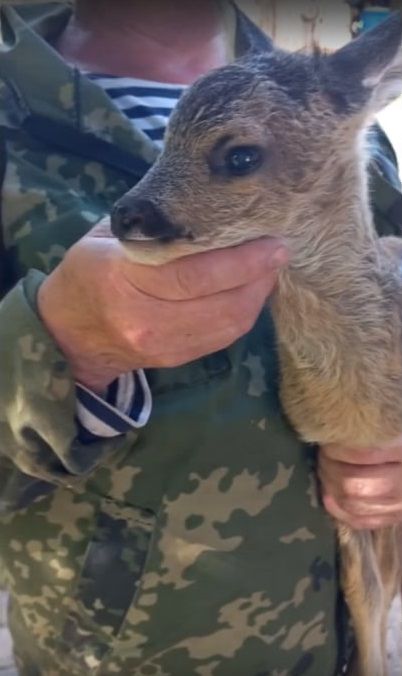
point(97, 382)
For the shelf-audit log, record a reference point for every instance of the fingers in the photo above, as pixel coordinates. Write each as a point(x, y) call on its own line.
point(119, 315)
point(375, 455)
point(209, 273)
point(360, 522)
point(363, 496)
point(364, 482)
point(196, 327)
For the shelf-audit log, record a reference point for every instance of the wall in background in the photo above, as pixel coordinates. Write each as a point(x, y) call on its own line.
point(298, 25)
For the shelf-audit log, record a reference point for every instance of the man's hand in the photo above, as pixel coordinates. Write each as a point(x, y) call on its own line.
point(363, 488)
point(110, 315)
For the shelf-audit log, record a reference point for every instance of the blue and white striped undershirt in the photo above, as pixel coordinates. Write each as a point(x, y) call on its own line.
point(128, 402)
point(147, 104)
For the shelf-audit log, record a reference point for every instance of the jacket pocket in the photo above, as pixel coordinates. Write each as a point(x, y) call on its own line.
point(113, 566)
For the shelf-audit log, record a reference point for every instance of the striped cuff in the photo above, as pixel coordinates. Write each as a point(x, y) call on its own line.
point(126, 406)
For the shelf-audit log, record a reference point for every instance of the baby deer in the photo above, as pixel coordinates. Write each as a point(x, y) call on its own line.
point(276, 145)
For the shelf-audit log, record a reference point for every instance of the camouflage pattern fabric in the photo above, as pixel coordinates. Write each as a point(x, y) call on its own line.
point(198, 547)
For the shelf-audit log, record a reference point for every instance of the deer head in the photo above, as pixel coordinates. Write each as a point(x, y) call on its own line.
point(264, 147)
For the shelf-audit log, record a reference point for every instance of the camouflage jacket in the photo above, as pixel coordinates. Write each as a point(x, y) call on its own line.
point(197, 547)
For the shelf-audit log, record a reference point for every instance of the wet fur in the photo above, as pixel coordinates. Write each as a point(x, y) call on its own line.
point(337, 307)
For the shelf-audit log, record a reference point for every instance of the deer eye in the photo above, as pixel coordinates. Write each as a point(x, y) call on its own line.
point(243, 160)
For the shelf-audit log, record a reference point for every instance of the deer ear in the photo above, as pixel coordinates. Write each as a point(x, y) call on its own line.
point(249, 38)
point(367, 72)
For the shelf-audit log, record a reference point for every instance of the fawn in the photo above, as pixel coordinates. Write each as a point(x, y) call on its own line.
point(275, 145)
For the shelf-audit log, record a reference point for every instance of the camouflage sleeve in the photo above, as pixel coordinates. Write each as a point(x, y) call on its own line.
point(39, 443)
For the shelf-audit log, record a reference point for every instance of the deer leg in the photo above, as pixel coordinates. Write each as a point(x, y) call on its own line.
point(387, 551)
point(367, 626)
point(389, 595)
point(362, 586)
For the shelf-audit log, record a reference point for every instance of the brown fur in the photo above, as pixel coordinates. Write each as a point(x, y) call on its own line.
point(338, 306)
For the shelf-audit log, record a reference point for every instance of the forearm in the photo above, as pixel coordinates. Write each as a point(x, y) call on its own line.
point(39, 433)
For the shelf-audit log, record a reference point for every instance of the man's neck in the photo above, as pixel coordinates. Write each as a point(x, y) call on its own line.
point(159, 40)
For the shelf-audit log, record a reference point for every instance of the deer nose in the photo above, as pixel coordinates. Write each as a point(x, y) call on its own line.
point(140, 220)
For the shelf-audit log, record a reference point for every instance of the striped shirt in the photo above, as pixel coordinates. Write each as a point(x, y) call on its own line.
point(127, 403)
point(147, 104)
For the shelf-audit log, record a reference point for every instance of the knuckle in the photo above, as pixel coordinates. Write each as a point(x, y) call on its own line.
point(354, 488)
point(142, 340)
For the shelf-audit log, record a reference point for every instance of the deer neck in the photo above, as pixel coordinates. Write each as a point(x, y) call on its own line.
point(338, 335)
point(333, 244)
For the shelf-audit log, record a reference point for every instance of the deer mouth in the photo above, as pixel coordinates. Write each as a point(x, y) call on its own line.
point(137, 237)
point(160, 251)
